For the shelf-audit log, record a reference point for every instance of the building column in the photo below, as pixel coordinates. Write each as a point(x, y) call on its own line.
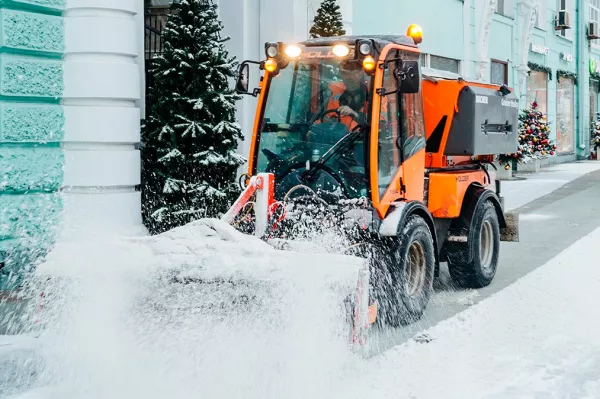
point(483, 28)
point(582, 140)
point(527, 15)
point(102, 84)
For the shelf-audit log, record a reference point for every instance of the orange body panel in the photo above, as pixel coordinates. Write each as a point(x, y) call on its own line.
point(413, 172)
point(447, 191)
point(257, 118)
point(440, 99)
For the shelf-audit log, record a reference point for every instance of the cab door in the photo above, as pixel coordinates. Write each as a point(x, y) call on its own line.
point(398, 151)
point(412, 138)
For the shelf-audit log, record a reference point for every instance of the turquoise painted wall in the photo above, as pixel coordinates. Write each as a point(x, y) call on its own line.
point(31, 129)
point(442, 24)
point(444, 27)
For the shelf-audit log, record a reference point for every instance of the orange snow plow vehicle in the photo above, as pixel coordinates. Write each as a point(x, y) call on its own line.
point(352, 135)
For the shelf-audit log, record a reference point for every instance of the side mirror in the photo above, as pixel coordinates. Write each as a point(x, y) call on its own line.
point(241, 85)
point(407, 77)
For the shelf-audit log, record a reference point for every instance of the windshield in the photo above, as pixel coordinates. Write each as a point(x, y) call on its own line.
point(311, 106)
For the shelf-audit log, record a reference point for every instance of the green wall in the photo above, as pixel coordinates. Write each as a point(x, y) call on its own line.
point(31, 129)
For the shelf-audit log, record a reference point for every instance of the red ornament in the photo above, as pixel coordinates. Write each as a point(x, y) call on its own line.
point(551, 152)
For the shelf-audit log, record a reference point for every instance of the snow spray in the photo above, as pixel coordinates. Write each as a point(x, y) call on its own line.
point(140, 318)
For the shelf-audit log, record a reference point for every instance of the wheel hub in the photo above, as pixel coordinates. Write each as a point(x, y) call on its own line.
point(415, 269)
point(486, 248)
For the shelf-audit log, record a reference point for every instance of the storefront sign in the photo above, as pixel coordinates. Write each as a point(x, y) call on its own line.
point(594, 66)
point(566, 57)
point(536, 48)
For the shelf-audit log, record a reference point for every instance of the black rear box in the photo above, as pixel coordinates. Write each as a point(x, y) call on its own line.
point(486, 123)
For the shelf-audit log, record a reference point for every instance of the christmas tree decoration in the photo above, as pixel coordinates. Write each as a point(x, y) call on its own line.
point(190, 137)
point(595, 135)
point(328, 21)
point(534, 138)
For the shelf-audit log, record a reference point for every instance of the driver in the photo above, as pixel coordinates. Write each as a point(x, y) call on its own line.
point(348, 97)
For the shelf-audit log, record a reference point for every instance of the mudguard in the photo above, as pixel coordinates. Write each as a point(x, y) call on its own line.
point(393, 222)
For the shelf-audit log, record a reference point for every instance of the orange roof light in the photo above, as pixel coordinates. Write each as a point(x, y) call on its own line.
point(415, 32)
point(270, 65)
point(369, 63)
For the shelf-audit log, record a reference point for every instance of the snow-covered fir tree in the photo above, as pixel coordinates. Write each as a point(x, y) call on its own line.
point(534, 138)
point(190, 136)
point(328, 21)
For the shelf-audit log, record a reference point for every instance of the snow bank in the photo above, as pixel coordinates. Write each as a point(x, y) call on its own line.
point(200, 310)
point(539, 337)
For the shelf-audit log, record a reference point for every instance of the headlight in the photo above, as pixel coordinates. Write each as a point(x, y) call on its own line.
point(293, 51)
point(272, 50)
point(364, 48)
point(340, 50)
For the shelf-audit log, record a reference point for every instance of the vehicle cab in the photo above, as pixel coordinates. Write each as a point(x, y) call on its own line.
point(342, 116)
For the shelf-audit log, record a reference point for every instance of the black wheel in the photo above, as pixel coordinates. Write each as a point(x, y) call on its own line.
point(405, 283)
point(485, 235)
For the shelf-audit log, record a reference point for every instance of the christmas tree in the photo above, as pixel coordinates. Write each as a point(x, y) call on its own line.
point(534, 138)
point(191, 135)
point(328, 21)
point(595, 137)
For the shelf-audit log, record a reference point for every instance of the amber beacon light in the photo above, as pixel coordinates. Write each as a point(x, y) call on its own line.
point(369, 63)
point(415, 32)
point(270, 65)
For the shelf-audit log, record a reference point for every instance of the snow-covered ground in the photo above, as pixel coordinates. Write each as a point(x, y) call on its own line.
point(520, 192)
point(534, 339)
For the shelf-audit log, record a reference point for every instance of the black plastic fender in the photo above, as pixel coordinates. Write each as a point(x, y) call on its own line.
point(413, 208)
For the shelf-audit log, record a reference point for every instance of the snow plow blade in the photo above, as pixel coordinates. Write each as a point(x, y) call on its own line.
point(229, 277)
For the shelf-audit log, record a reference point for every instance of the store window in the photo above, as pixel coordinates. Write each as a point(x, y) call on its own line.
point(594, 100)
point(504, 7)
point(499, 72)
point(444, 63)
point(537, 90)
point(565, 124)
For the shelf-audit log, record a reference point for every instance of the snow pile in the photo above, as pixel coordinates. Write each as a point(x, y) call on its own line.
point(537, 338)
point(153, 317)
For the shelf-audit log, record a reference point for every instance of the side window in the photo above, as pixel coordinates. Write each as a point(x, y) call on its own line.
point(413, 128)
point(388, 155)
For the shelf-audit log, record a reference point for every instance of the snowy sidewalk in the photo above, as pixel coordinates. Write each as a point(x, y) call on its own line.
point(517, 193)
point(539, 338)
